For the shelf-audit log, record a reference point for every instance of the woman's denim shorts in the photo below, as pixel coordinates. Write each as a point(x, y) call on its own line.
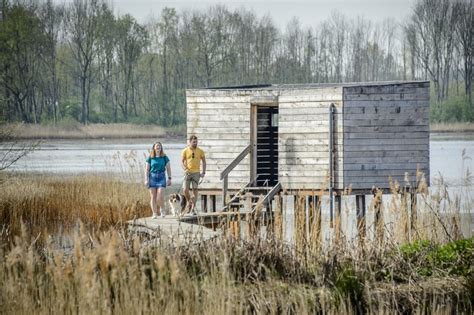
point(157, 180)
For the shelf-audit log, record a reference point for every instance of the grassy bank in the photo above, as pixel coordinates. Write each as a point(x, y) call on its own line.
point(93, 131)
point(122, 131)
point(109, 270)
point(452, 127)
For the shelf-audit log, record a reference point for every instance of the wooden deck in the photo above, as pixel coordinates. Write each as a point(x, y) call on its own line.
point(185, 229)
point(171, 230)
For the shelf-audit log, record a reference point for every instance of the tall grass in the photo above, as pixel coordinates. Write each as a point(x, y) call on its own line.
point(107, 269)
point(48, 205)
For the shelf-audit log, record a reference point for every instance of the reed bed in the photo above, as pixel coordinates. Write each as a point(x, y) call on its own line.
point(109, 270)
point(48, 205)
point(74, 130)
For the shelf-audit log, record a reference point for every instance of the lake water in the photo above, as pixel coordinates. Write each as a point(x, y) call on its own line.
point(451, 157)
point(127, 156)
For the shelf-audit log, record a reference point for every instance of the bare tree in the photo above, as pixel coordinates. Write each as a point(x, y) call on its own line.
point(82, 25)
point(464, 14)
point(11, 148)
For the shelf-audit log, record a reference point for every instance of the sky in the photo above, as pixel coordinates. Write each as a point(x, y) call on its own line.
point(309, 12)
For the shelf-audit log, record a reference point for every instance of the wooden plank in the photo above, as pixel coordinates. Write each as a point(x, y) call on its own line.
point(309, 137)
point(381, 155)
point(318, 107)
point(219, 168)
point(315, 128)
point(304, 167)
point(386, 97)
point(309, 173)
point(303, 111)
point(218, 99)
point(236, 91)
point(209, 138)
point(377, 173)
point(384, 116)
point(211, 116)
point(371, 109)
point(404, 147)
point(304, 161)
point(302, 154)
point(308, 186)
point(219, 124)
point(200, 130)
point(386, 122)
point(381, 163)
point(385, 142)
point(390, 89)
point(351, 129)
point(293, 150)
point(227, 112)
point(220, 155)
point(191, 106)
point(317, 97)
point(225, 147)
point(311, 124)
point(213, 143)
point(387, 135)
point(307, 117)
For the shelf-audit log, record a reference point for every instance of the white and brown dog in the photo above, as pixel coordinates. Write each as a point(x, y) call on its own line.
point(177, 203)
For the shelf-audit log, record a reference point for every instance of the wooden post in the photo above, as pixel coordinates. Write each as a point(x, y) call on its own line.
point(315, 223)
point(270, 219)
point(360, 212)
point(414, 216)
point(224, 190)
point(378, 220)
point(203, 203)
point(300, 224)
point(404, 215)
point(338, 208)
point(213, 203)
point(279, 220)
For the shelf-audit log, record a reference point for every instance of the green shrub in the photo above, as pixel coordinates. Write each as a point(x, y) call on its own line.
point(454, 109)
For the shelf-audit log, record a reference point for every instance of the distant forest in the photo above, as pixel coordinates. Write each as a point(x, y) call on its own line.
point(80, 62)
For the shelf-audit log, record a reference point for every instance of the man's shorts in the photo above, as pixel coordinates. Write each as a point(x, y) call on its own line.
point(191, 180)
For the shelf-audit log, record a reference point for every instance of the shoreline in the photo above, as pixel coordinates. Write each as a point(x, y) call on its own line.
point(92, 132)
point(131, 131)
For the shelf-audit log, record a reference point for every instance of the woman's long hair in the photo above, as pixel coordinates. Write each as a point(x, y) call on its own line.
point(153, 152)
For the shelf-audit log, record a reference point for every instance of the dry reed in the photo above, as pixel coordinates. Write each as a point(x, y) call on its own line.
point(108, 270)
point(92, 131)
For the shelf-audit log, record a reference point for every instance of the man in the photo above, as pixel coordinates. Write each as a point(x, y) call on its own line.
point(191, 158)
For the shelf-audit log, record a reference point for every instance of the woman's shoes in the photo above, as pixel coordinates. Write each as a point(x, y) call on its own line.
point(154, 216)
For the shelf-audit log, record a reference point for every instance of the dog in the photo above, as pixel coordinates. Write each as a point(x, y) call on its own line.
point(177, 203)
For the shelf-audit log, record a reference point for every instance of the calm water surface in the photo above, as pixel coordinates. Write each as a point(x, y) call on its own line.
point(451, 156)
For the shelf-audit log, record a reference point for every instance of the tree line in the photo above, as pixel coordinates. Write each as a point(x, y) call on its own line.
point(80, 61)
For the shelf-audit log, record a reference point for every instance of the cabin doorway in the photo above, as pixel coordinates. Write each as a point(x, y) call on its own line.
point(265, 138)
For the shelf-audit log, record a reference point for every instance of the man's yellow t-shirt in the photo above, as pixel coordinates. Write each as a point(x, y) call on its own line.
point(193, 158)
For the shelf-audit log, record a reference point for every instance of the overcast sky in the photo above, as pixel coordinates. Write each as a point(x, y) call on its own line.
point(309, 12)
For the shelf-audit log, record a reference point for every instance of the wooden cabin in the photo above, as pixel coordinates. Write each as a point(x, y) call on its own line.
point(288, 134)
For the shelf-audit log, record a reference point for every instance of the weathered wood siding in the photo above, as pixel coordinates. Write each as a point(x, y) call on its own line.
point(386, 133)
point(221, 121)
point(303, 144)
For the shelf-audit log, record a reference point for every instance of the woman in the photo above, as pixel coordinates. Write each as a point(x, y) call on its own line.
point(155, 179)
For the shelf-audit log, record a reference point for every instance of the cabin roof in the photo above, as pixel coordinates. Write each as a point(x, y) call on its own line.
point(306, 85)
